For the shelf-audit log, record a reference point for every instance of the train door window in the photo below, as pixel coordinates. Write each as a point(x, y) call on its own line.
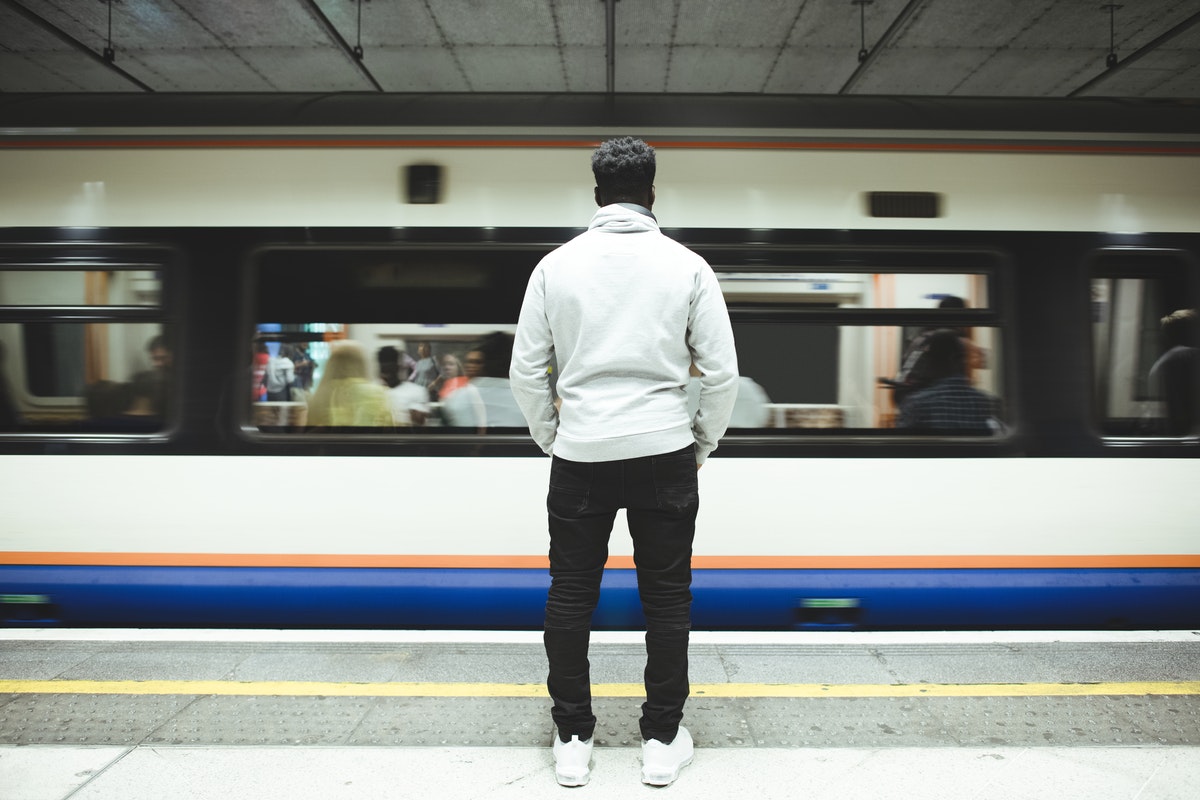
point(378, 341)
point(875, 350)
point(1146, 345)
point(82, 350)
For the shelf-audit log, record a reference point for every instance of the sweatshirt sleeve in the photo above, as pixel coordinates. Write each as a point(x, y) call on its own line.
point(529, 373)
point(710, 340)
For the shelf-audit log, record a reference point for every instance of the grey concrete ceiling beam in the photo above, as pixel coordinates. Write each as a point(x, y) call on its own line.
point(67, 38)
point(332, 32)
point(1142, 51)
point(873, 52)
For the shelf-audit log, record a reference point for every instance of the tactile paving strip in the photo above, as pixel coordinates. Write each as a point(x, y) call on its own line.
point(263, 721)
point(456, 722)
point(72, 719)
point(973, 721)
point(510, 722)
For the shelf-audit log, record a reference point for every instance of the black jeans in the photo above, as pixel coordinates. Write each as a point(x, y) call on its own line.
point(660, 495)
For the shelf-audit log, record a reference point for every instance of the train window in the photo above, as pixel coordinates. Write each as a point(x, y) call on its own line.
point(896, 353)
point(1146, 347)
point(82, 350)
point(386, 341)
point(356, 341)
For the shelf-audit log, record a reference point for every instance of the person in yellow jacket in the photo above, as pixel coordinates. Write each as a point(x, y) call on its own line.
point(346, 395)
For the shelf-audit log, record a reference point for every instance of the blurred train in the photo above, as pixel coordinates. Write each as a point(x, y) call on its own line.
point(158, 253)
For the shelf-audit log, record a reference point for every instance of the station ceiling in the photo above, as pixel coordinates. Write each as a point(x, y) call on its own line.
point(992, 48)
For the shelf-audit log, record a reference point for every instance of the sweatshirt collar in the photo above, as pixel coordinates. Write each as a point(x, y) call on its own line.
point(639, 209)
point(623, 218)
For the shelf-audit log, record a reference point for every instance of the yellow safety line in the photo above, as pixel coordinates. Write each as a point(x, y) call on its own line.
point(746, 690)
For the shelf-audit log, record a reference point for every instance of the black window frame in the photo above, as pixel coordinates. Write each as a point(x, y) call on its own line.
point(726, 258)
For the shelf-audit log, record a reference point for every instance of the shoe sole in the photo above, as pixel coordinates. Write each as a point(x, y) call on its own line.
point(663, 780)
point(571, 780)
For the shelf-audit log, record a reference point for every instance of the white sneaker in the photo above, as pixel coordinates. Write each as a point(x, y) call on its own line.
point(572, 761)
point(661, 762)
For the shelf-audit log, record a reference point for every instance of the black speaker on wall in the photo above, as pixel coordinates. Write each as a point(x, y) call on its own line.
point(423, 183)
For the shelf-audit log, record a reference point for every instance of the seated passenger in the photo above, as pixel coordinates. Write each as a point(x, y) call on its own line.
point(450, 380)
point(914, 374)
point(426, 371)
point(948, 403)
point(162, 364)
point(258, 374)
point(281, 373)
point(487, 400)
point(345, 395)
point(409, 403)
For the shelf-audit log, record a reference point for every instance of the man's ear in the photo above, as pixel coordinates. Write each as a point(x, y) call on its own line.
point(651, 198)
point(599, 202)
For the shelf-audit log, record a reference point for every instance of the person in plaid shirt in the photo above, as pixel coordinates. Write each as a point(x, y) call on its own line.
point(949, 403)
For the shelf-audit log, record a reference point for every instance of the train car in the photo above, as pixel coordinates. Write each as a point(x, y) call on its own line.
point(180, 276)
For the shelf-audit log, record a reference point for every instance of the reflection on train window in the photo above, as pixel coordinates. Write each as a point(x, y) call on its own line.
point(816, 357)
point(82, 350)
point(1146, 353)
point(64, 377)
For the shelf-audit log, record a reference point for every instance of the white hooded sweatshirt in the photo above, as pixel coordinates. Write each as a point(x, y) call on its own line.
point(625, 311)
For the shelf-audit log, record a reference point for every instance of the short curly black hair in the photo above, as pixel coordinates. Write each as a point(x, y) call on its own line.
point(624, 167)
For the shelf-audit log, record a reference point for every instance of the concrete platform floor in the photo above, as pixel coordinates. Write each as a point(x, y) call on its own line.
point(998, 741)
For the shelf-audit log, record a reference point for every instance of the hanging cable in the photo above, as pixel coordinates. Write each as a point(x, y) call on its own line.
point(110, 55)
point(1111, 60)
point(862, 27)
point(610, 44)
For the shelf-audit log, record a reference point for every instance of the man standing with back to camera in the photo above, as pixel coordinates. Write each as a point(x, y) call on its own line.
point(625, 311)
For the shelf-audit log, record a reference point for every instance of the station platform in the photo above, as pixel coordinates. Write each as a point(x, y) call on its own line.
point(131, 714)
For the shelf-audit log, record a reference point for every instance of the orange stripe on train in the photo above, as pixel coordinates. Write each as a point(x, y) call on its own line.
point(408, 561)
point(32, 142)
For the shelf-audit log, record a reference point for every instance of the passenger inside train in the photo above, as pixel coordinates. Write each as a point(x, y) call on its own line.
point(946, 401)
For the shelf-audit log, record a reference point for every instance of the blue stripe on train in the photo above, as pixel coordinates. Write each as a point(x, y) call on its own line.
point(514, 598)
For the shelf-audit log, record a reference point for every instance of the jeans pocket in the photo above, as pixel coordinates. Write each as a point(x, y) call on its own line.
point(570, 487)
point(676, 487)
point(565, 502)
